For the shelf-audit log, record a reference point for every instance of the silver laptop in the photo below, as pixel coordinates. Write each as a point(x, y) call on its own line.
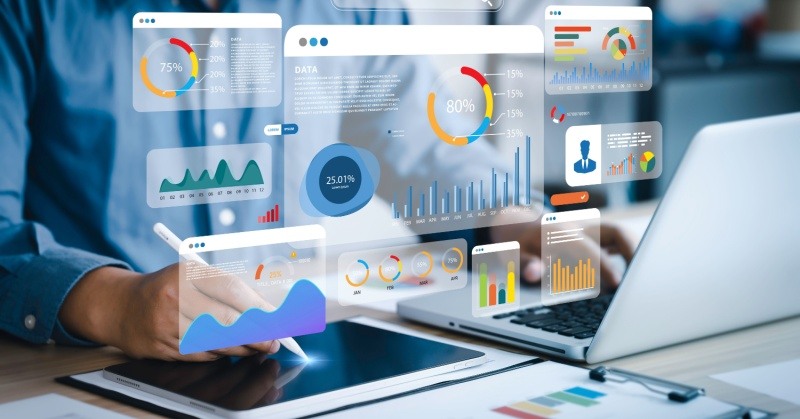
point(721, 253)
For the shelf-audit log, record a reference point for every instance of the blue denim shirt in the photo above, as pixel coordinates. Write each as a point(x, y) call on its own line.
point(73, 150)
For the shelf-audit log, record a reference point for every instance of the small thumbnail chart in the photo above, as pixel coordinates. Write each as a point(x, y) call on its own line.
point(590, 49)
point(402, 271)
point(205, 175)
point(608, 153)
point(186, 61)
point(571, 256)
point(273, 279)
point(570, 402)
point(495, 278)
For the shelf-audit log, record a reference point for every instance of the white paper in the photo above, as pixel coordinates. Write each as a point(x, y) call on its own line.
point(498, 359)
point(480, 398)
point(781, 380)
point(54, 406)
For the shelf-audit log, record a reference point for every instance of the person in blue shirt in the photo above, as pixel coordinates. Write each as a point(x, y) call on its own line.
point(75, 229)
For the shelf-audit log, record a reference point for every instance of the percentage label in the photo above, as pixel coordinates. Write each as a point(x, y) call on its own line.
point(460, 105)
point(171, 67)
point(337, 180)
point(216, 59)
point(216, 74)
point(217, 44)
point(217, 89)
point(514, 93)
point(514, 113)
point(514, 133)
point(515, 74)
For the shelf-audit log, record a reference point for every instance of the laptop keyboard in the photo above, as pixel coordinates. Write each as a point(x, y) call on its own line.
point(579, 319)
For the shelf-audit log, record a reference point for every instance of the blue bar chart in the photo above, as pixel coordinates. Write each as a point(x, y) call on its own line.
point(504, 190)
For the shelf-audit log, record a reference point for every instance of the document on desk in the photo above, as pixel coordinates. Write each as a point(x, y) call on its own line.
point(780, 380)
point(54, 406)
point(499, 359)
point(539, 391)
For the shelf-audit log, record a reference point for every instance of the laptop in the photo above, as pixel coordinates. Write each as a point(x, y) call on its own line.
point(721, 253)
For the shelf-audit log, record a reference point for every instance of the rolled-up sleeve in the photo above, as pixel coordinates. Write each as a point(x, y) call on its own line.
point(36, 273)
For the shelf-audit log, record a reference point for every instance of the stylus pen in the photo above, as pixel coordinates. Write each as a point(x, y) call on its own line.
point(174, 242)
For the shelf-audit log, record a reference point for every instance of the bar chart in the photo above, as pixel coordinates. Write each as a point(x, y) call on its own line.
point(495, 278)
point(501, 190)
point(571, 256)
point(625, 167)
point(270, 216)
point(572, 278)
point(591, 51)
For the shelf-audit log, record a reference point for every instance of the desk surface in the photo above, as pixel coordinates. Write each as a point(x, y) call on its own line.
point(28, 370)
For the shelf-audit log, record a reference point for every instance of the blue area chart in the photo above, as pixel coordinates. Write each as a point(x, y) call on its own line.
point(302, 313)
point(341, 179)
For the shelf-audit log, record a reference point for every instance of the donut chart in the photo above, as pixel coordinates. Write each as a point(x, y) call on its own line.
point(169, 93)
point(357, 268)
point(619, 48)
point(461, 140)
point(390, 268)
point(453, 260)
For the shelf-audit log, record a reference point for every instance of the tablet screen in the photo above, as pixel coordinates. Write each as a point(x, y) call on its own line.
point(346, 354)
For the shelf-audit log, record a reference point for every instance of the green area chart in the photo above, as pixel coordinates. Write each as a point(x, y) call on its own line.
point(223, 178)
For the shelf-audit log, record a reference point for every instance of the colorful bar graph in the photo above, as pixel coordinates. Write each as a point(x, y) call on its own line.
point(271, 216)
point(625, 167)
point(570, 402)
point(494, 292)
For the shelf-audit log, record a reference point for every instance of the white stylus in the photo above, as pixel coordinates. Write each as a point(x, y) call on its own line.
point(174, 242)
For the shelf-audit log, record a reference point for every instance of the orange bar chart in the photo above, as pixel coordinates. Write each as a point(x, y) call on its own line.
point(573, 278)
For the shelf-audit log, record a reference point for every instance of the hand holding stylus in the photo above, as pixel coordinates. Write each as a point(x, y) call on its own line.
point(224, 297)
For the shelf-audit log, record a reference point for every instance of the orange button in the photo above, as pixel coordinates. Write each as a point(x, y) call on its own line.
point(569, 198)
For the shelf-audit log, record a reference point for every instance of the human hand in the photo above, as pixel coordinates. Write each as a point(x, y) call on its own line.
point(612, 242)
point(141, 314)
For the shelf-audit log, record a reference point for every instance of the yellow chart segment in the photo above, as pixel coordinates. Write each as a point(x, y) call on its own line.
point(511, 283)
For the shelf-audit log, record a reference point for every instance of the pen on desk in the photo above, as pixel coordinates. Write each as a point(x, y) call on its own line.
point(174, 242)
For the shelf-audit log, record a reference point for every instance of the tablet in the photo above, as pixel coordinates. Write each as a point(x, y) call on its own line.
point(347, 358)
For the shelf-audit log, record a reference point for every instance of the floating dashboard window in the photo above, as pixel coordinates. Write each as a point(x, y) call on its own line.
point(241, 288)
point(495, 278)
point(598, 49)
point(571, 256)
point(401, 271)
point(186, 61)
point(609, 153)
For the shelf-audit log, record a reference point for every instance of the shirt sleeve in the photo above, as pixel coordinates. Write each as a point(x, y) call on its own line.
point(36, 273)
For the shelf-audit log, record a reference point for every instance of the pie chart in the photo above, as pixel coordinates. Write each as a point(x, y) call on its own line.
point(614, 42)
point(618, 49)
point(647, 162)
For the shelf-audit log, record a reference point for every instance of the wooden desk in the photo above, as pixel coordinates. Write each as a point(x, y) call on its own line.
point(27, 370)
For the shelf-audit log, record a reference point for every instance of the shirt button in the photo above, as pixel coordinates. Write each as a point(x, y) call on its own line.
point(227, 217)
point(30, 321)
point(220, 130)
